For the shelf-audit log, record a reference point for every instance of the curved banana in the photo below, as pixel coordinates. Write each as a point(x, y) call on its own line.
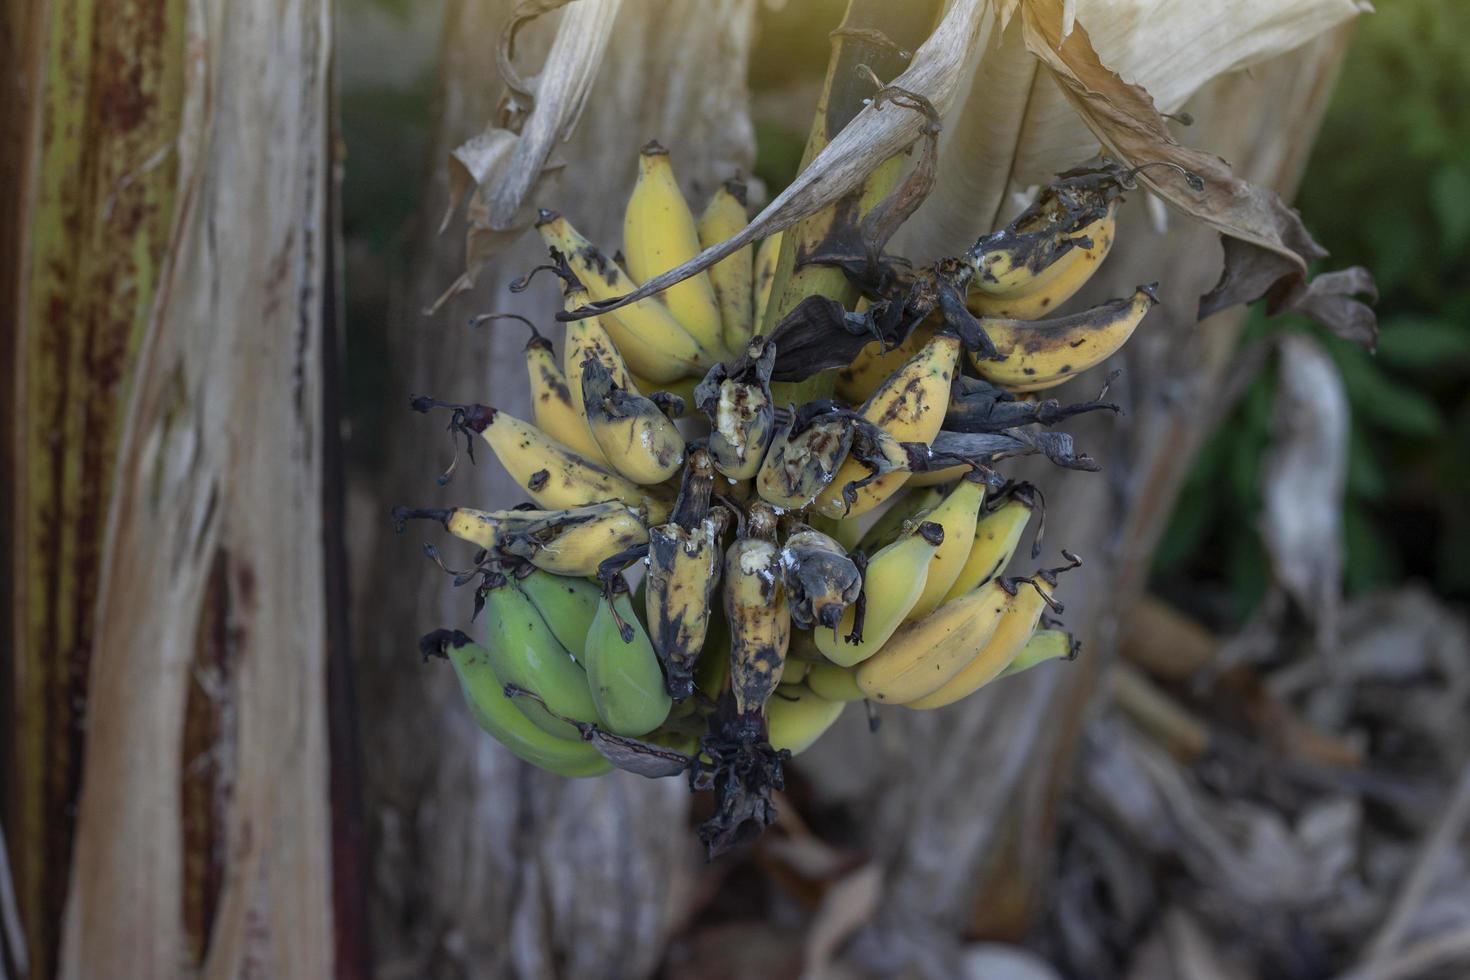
point(641, 442)
point(648, 336)
point(1068, 274)
point(1041, 354)
point(796, 717)
point(922, 655)
point(1016, 619)
point(802, 461)
point(576, 540)
point(684, 561)
point(821, 580)
point(892, 583)
point(996, 536)
point(659, 233)
point(856, 383)
point(550, 473)
point(764, 274)
point(958, 514)
point(909, 406)
point(834, 683)
point(755, 608)
point(1043, 646)
point(733, 278)
point(588, 339)
point(565, 602)
point(907, 506)
point(498, 715)
point(556, 410)
point(623, 673)
point(525, 652)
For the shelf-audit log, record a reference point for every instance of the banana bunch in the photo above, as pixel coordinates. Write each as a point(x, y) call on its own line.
point(786, 560)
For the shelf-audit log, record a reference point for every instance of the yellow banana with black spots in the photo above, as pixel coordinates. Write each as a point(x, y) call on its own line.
point(1060, 283)
point(498, 715)
point(639, 440)
point(997, 534)
point(909, 407)
point(856, 383)
point(724, 217)
point(571, 541)
point(764, 275)
point(587, 339)
point(892, 583)
point(1040, 354)
point(796, 717)
point(756, 610)
point(659, 233)
point(957, 513)
point(650, 338)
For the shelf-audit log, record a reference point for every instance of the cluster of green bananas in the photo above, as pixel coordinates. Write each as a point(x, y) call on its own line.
point(789, 560)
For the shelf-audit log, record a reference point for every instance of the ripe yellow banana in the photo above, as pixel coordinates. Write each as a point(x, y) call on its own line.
point(755, 608)
point(922, 655)
point(996, 536)
point(499, 716)
point(1016, 619)
point(892, 583)
point(659, 233)
point(524, 651)
point(648, 336)
point(1043, 646)
point(856, 383)
point(623, 672)
point(1041, 354)
point(1035, 262)
point(588, 339)
point(909, 406)
point(550, 473)
point(908, 506)
point(733, 278)
point(764, 275)
point(1067, 275)
point(958, 514)
point(796, 717)
point(572, 541)
point(684, 561)
point(641, 442)
point(834, 683)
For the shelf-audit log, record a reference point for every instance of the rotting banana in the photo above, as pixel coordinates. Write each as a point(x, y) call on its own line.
point(821, 580)
point(997, 534)
point(764, 275)
point(909, 406)
point(1068, 274)
point(724, 217)
point(524, 651)
point(684, 562)
point(588, 339)
point(567, 604)
point(737, 401)
point(498, 715)
point(576, 540)
point(623, 672)
point(1015, 621)
point(925, 653)
point(802, 461)
point(1044, 645)
point(556, 410)
point(797, 716)
point(639, 440)
point(958, 514)
point(755, 608)
point(892, 583)
point(1040, 354)
point(834, 683)
point(660, 233)
point(648, 336)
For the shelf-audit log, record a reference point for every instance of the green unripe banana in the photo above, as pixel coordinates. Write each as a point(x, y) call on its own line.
point(498, 715)
point(566, 604)
point(623, 672)
point(525, 652)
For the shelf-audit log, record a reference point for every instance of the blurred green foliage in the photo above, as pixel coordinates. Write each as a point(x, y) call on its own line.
point(1388, 187)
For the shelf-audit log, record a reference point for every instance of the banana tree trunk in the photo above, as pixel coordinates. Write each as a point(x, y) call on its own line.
point(483, 866)
point(166, 244)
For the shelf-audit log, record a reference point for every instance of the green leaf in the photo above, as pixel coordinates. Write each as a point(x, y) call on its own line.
point(1450, 193)
point(1421, 342)
point(1384, 403)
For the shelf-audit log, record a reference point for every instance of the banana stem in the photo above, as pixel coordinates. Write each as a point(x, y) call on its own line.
point(877, 37)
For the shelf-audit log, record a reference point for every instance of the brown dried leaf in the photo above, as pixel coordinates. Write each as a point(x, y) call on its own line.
point(881, 130)
point(1272, 247)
